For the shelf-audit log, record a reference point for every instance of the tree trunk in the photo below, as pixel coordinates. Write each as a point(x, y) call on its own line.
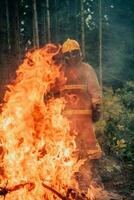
point(17, 33)
point(82, 27)
point(44, 23)
point(72, 18)
point(100, 52)
point(35, 26)
point(100, 42)
point(8, 26)
point(48, 22)
point(14, 31)
point(56, 24)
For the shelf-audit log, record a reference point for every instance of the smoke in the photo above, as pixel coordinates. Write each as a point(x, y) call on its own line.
point(117, 52)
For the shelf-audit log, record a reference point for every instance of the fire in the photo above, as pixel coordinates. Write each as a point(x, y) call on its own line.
point(37, 151)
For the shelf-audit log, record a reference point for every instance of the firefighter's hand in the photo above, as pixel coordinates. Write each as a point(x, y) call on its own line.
point(96, 112)
point(48, 96)
point(51, 95)
point(57, 58)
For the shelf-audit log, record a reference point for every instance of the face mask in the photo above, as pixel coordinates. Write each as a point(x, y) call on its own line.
point(72, 57)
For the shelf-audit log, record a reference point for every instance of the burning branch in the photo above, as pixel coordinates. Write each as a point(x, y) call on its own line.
point(71, 194)
point(5, 190)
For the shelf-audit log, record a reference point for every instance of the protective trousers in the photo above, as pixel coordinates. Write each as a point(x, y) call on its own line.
point(88, 149)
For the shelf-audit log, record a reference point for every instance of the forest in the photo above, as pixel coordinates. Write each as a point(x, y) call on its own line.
point(105, 31)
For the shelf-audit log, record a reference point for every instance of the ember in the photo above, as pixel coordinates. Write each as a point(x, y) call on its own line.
point(36, 146)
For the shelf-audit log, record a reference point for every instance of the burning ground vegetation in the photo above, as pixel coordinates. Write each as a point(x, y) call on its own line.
point(37, 150)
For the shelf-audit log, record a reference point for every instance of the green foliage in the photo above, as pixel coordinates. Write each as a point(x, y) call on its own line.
point(126, 95)
point(117, 127)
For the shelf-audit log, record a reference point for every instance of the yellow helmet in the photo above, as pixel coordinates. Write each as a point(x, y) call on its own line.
point(70, 45)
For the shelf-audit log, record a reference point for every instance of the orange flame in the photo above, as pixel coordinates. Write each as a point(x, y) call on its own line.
point(36, 146)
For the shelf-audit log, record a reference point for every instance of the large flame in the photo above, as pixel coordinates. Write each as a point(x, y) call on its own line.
point(36, 144)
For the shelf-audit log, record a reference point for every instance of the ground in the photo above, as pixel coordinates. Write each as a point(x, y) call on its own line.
point(117, 176)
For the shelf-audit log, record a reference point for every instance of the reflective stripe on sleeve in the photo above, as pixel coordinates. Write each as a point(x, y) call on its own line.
point(77, 112)
point(74, 87)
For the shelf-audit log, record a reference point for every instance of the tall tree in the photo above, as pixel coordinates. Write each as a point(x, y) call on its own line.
point(52, 21)
point(48, 21)
point(44, 22)
point(35, 26)
point(100, 43)
point(82, 27)
point(15, 28)
point(8, 26)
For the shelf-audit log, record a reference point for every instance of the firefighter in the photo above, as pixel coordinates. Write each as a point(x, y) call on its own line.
point(83, 96)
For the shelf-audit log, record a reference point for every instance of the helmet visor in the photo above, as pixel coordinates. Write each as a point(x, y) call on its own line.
point(72, 54)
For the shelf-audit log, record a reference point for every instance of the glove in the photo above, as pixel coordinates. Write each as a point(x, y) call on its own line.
point(48, 96)
point(57, 58)
point(51, 95)
point(96, 112)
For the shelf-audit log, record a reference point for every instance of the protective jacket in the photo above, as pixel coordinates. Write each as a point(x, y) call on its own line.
point(82, 87)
